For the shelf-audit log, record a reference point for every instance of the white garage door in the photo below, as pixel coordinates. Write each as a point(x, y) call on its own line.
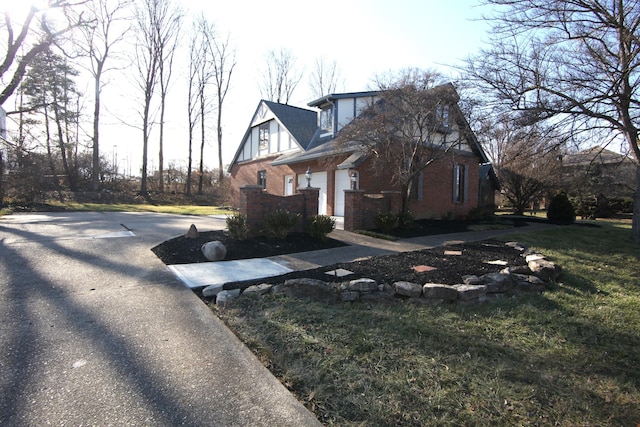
point(342, 183)
point(318, 180)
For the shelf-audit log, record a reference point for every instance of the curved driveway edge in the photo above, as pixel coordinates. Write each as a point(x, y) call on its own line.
point(94, 330)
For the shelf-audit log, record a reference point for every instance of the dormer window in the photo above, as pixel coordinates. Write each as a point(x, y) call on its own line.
point(326, 119)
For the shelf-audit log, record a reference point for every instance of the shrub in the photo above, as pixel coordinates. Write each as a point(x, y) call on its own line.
point(561, 210)
point(385, 221)
point(319, 226)
point(237, 226)
point(278, 225)
point(405, 220)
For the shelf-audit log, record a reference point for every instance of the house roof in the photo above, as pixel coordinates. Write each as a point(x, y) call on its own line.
point(300, 122)
point(593, 155)
point(335, 96)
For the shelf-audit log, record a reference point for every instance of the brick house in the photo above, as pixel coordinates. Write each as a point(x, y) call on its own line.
point(283, 143)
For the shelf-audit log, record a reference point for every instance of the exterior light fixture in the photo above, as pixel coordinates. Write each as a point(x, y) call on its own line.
point(354, 180)
point(308, 176)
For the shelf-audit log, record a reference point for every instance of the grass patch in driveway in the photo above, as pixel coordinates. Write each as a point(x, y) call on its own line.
point(567, 357)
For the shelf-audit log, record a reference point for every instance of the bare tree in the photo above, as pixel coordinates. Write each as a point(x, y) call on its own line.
point(34, 27)
point(223, 61)
point(168, 35)
point(109, 27)
point(153, 19)
point(573, 63)
point(281, 76)
point(406, 128)
point(196, 59)
point(324, 78)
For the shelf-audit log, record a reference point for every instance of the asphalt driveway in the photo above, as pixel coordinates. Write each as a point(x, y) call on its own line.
point(94, 330)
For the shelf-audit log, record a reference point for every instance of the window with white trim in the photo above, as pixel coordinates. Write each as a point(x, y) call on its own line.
point(326, 119)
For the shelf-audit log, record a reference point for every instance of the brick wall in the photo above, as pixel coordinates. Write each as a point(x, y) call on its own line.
point(360, 209)
point(256, 203)
point(437, 188)
point(246, 173)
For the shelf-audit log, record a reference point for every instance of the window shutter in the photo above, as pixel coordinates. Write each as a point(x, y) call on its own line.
point(466, 183)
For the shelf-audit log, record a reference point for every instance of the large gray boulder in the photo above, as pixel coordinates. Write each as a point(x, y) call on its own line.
point(225, 297)
point(408, 289)
point(363, 285)
point(497, 282)
point(469, 292)
point(439, 291)
point(214, 251)
point(544, 269)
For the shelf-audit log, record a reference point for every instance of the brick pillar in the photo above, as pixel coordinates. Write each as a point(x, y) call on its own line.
point(311, 202)
point(353, 207)
point(252, 207)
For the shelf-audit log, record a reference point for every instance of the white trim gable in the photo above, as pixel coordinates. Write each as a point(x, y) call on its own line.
point(266, 136)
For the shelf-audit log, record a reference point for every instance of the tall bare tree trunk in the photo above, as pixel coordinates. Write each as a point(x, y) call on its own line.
point(635, 226)
point(95, 170)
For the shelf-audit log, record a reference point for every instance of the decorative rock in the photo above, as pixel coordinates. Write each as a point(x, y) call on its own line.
point(534, 257)
point(517, 246)
point(439, 292)
point(408, 289)
point(363, 285)
point(225, 297)
point(192, 233)
point(260, 289)
point(385, 287)
point(214, 251)
point(530, 279)
point(350, 296)
point(517, 269)
point(310, 288)
point(212, 290)
point(469, 292)
point(497, 282)
point(545, 269)
point(472, 279)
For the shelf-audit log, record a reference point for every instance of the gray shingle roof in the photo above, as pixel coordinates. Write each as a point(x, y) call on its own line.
point(302, 123)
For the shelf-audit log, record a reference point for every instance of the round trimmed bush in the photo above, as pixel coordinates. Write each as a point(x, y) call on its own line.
point(561, 210)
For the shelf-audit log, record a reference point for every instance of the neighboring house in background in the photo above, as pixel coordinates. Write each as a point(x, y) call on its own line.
point(283, 142)
point(596, 172)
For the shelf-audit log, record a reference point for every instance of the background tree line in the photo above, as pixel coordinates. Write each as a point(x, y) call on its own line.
point(555, 75)
point(49, 53)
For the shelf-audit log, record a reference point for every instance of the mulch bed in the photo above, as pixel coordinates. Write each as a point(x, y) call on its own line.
point(445, 269)
point(181, 250)
point(448, 269)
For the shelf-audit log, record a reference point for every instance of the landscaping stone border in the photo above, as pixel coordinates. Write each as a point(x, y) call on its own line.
point(535, 277)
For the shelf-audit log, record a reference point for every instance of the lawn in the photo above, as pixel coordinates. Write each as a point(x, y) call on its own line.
point(71, 206)
point(567, 357)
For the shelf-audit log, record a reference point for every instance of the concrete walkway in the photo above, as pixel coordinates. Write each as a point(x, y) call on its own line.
point(94, 330)
point(197, 276)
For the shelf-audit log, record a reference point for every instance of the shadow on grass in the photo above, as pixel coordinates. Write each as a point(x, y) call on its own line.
point(389, 363)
